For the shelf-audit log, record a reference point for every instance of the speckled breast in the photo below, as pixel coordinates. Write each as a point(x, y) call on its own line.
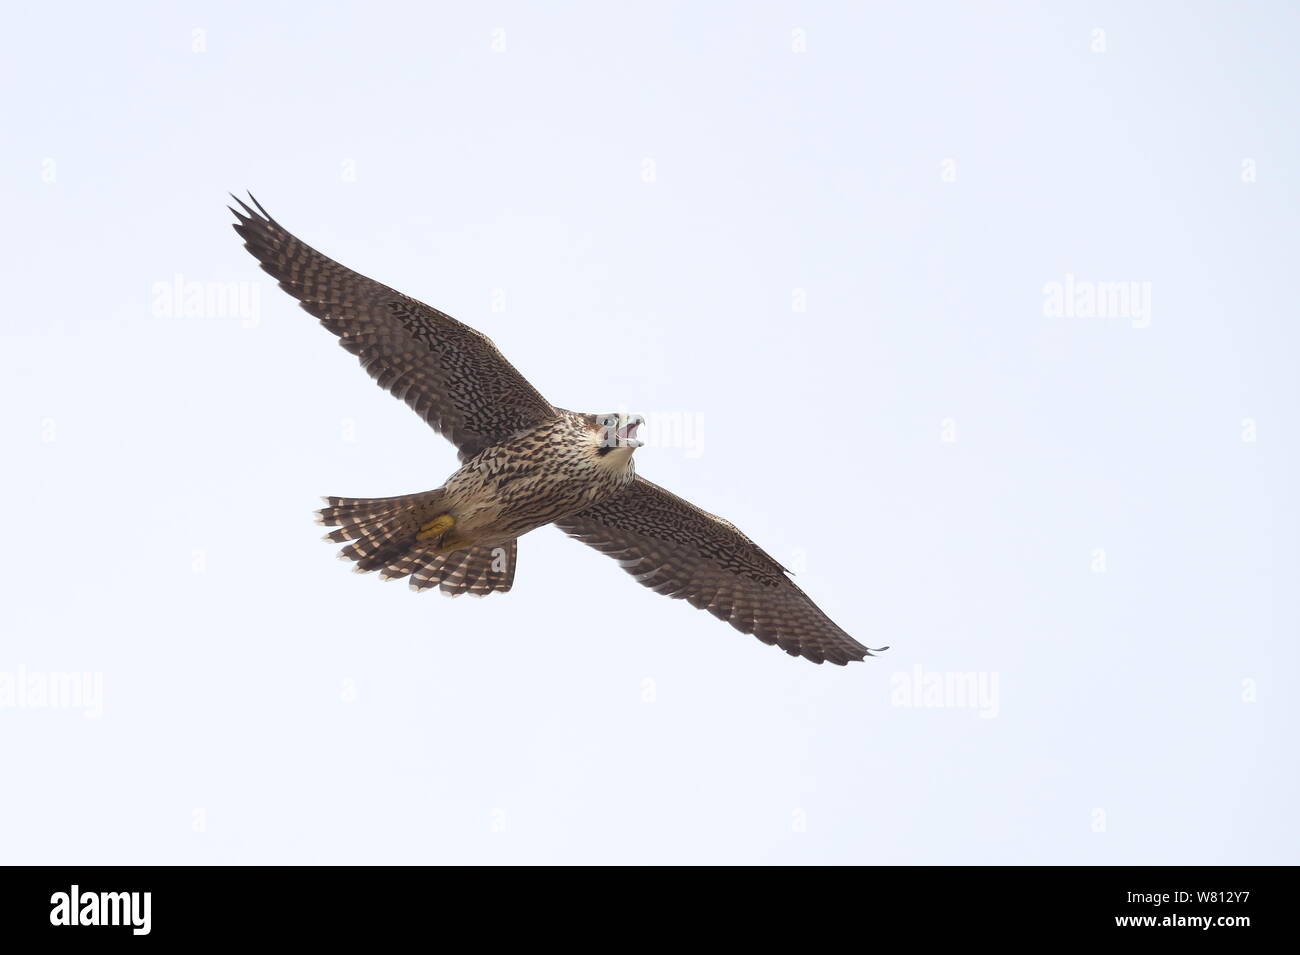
point(533, 479)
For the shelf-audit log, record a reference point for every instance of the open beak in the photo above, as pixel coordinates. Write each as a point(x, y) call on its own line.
point(627, 434)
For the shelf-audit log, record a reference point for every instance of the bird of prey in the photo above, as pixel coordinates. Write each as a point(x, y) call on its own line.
point(524, 463)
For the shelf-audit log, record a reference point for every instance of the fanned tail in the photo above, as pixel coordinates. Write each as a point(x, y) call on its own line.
point(384, 536)
point(479, 570)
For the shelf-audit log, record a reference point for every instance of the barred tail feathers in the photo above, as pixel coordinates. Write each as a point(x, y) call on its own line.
point(383, 535)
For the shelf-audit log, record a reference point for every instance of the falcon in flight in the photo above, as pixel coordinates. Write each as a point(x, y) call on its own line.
point(524, 463)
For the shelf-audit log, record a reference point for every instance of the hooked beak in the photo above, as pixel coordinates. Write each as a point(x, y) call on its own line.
point(627, 434)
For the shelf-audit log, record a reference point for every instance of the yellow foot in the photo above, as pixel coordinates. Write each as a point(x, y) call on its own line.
point(436, 527)
point(451, 546)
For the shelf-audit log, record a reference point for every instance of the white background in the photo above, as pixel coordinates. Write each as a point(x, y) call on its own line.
point(647, 196)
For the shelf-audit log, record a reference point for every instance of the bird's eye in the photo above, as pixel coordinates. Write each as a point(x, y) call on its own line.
point(607, 433)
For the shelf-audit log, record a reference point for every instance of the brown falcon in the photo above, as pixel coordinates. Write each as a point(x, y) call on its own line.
point(524, 463)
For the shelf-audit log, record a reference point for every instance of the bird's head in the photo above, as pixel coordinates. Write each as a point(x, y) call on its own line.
point(614, 436)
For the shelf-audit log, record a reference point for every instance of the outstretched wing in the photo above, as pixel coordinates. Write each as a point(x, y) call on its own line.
point(452, 375)
point(678, 550)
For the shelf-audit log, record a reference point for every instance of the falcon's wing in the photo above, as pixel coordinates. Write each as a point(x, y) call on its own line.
point(676, 549)
point(452, 375)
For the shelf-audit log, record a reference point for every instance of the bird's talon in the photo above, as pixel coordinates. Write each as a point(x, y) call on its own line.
point(436, 527)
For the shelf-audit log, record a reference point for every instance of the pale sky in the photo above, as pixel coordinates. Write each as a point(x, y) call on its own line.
point(983, 320)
